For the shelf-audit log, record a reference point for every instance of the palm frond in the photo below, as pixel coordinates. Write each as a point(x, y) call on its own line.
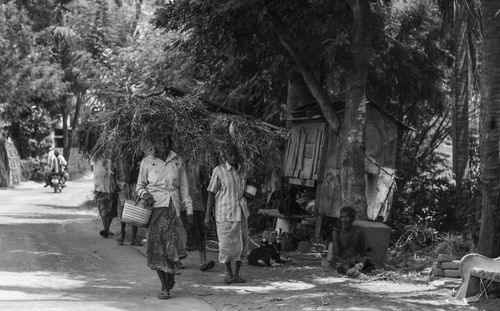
point(65, 34)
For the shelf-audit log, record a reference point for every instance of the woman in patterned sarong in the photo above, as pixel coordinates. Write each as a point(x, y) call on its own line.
point(163, 184)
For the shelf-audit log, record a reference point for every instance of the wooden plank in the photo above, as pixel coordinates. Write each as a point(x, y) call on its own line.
point(307, 168)
point(296, 181)
point(322, 153)
point(311, 137)
point(309, 151)
point(292, 149)
point(316, 157)
point(287, 160)
point(300, 155)
point(310, 183)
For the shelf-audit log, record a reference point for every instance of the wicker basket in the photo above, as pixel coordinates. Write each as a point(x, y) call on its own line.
point(136, 213)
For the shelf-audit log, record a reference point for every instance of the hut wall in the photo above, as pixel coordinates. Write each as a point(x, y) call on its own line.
point(380, 163)
point(304, 149)
point(381, 138)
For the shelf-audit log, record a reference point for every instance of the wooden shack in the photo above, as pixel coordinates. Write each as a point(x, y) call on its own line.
point(312, 158)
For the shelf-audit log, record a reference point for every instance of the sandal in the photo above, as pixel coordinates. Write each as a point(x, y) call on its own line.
point(110, 233)
point(228, 280)
point(181, 266)
point(104, 233)
point(207, 266)
point(163, 295)
point(238, 279)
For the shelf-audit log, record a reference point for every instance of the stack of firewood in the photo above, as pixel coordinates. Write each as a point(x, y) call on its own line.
point(446, 266)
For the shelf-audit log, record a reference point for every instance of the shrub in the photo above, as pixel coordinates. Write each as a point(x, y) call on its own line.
point(428, 200)
point(34, 168)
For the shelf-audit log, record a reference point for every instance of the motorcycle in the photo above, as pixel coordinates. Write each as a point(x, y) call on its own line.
point(56, 182)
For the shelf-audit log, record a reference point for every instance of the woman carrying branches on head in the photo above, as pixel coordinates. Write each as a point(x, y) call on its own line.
point(163, 184)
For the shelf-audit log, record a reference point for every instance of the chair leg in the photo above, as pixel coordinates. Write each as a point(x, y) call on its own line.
point(473, 287)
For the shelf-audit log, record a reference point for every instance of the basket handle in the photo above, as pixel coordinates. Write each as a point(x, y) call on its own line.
point(137, 199)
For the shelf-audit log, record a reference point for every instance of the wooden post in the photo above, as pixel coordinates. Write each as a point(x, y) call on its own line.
point(319, 182)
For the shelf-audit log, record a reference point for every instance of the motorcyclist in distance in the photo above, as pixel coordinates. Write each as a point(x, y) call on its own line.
point(57, 165)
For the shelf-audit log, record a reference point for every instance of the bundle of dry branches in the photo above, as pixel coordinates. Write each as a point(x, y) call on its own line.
point(198, 133)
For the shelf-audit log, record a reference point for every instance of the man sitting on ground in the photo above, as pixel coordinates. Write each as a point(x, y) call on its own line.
point(347, 251)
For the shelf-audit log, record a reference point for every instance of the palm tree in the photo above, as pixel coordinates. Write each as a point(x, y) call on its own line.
point(465, 38)
point(489, 242)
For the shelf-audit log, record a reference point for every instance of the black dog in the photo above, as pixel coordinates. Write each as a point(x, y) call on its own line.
point(264, 253)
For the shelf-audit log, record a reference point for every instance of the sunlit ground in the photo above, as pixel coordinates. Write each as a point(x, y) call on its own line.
point(265, 287)
point(51, 285)
point(330, 280)
point(45, 215)
point(36, 253)
point(392, 288)
point(328, 308)
point(24, 220)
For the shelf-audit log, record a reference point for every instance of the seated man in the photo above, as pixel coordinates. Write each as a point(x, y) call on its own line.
point(347, 249)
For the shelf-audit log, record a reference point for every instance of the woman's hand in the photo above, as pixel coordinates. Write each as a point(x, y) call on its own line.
point(148, 199)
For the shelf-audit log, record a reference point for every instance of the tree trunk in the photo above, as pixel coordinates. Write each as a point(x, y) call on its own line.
point(313, 83)
point(4, 165)
point(138, 10)
point(74, 123)
point(352, 131)
point(291, 101)
point(66, 146)
point(489, 239)
point(462, 94)
point(353, 128)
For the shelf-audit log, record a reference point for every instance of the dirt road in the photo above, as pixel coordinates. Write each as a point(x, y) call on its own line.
point(52, 258)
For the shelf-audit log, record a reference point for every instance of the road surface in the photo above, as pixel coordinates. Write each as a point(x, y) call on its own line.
point(52, 257)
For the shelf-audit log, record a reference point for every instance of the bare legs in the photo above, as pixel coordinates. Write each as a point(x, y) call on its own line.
point(122, 235)
point(229, 273)
point(163, 279)
point(233, 277)
point(165, 291)
point(167, 283)
point(106, 223)
point(203, 257)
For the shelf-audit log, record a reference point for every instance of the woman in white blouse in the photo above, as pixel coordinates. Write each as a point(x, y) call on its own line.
point(163, 184)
